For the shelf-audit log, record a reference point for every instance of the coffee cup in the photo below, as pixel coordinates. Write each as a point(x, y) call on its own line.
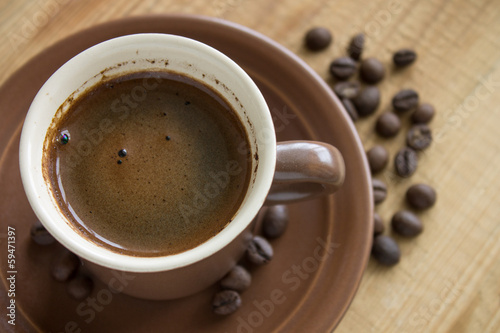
point(280, 173)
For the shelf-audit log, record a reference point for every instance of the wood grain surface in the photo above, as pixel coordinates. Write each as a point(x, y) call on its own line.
point(448, 279)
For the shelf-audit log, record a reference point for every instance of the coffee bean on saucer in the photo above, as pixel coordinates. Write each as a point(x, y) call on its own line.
point(259, 251)
point(237, 279)
point(347, 89)
point(385, 250)
point(405, 100)
point(419, 137)
point(388, 125)
point(423, 114)
point(226, 302)
point(378, 157)
point(40, 235)
point(80, 287)
point(342, 68)
point(421, 196)
point(379, 190)
point(275, 221)
point(406, 224)
point(350, 108)
point(404, 57)
point(372, 70)
point(64, 266)
point(405, 162)
point(378, 225)
point(355, 48)
point(318, 39)
point(367, 101)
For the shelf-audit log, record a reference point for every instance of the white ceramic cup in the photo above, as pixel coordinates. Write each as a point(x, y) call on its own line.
point(184, 273)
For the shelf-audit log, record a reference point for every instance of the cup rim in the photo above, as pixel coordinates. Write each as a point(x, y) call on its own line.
point(36, 188)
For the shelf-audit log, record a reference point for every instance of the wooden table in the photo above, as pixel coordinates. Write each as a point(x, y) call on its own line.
point(449, 277)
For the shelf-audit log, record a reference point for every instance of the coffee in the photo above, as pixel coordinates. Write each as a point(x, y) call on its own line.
point(149, 163)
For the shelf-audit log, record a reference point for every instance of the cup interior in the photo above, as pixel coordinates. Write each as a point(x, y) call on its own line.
point(133, 53)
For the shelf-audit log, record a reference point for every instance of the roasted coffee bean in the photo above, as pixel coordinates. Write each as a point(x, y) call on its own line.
point(423, 114)
point(385, 250)
point(275, 221)
point(226, 302)
point(419, 137)
point(378, 157)
point(406, 224)
point(378, 225)
point(259, 251)
point(388, 125)
point(372, 70)
point(318, 39)
point(404, 57)
point(406, 162)
point(355, 48)
point(421, 196)
point(350, 108)
point(64, 266)
point(367, 101)
point(40, 235)
point(405, 100)
point(80, 287)
point(379, 190)
point(342, 68)
point(237, 279)
point(347, 89)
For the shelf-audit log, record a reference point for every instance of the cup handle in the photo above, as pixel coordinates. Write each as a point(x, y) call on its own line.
point(305, 170)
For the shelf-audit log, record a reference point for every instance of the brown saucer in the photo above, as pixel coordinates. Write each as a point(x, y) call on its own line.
point(313, 299)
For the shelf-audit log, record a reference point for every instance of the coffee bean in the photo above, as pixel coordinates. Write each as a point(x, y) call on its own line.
point(226, 302)
point(64, 266)
point(350, 108)
point(342, 68)
point(419, 137)
point(80, 287)
point(355, 48)
point(379, 190)
point(406, 162)
point(405, 100)
point(378, 157)
point(388, 125)
point(237, 279)
point(318, 39)
point(406, 224)
point(40, 235)
point(423, 114)
point(378, 225)
point(404, 57)
point(347, 89)
point(275, 221)
point(259, 251)
point(421, 196)
point(372, 70)
point(367, 101)
point(385, 250)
